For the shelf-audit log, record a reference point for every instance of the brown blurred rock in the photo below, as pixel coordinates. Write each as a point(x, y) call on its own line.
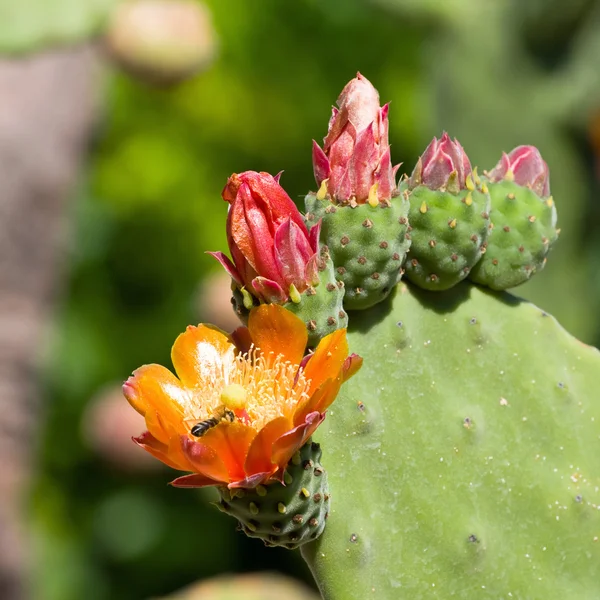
point(161, 41)
point(107, 427)
point(253, 586)
point(47, 108)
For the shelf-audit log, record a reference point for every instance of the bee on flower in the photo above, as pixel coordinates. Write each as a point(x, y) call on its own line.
point(253, 397)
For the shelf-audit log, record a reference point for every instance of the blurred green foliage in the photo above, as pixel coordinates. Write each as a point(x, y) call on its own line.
point(150, 207)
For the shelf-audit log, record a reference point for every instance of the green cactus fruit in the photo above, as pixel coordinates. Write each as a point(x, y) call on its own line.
point(465, 456)
point(448, 231)
point(367, 245)
point(524, 230)
point(289, 514)
point(319, 306)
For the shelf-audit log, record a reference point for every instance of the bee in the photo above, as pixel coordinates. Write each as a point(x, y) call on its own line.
point(221, 413)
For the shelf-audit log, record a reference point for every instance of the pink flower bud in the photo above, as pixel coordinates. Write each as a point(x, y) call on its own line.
point(444, 164)
point(271, 247)
point(526, 167)
point(356, 152)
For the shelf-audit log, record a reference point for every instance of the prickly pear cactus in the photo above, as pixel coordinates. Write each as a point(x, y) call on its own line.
point(284, 515)
point(320, 306)
point(448, 231)
point(524, 230)
point(466, 453)
point(367, 245)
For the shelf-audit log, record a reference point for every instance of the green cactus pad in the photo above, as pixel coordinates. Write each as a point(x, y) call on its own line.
point(284, 515)
point(466, 455)
point(449, 233)
point(320, 306)
point(367, 246)
point(524, 230)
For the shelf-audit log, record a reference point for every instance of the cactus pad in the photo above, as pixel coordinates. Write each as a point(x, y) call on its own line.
point(448, 232)
point(524, 230)
point(284, 515)
point(320, 306)
point(367, 245)
point(466, 453)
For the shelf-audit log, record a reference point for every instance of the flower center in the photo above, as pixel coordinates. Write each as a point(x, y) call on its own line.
point(261, 388)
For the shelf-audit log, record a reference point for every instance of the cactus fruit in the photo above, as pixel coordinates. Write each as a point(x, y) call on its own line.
point(319, 306)
point(524, 230)
point(367, 244)
point(466, 453)
point(523, 218)
point(448, 232)
point(449, 216)
point(288, 514)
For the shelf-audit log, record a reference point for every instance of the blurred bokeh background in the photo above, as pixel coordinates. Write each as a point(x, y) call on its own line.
point(119, 124)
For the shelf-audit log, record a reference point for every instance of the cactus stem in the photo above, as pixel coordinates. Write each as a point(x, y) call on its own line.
point(317, 497)
point(414, 262)
point(531, 218)
point(304, 493)
point(506, 228)
point(521, 248)
point(549, 202)
point(318, 471)
point(298, 519)
point(395, 256)
point(452, 223)
point(432, 243)
point(367, 223)
point(454, 257)
point(281, 508)
point(342, 314)
point(495, 262)
point(341, 270)
point(313, 522)
point(510, 176)
point(484, 188)
point(383, 245)
point(296, 459)
point(404, 220)
point(423, 208)
point(375, 276)
point(345, 240)
point(331, 287)
point(361, 260)
point(469, 182)
point(311, 325)
point(330, 321)
point(476, 176)
point(468, 199)
point(246, 299)
point(510, 196)
point(474, 238)
point(253, 508)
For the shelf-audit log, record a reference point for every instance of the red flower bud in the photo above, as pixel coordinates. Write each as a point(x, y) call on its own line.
point(356, 152)
point(268, 240)
point(444, 164)
point(526, 167)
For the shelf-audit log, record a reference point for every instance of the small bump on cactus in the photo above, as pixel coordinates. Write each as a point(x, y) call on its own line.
point(367, 244)
point(449, 216)
point(289, 514)
point(523, 219)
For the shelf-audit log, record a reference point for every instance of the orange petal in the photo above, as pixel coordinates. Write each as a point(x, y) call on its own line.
point(327, 360)
point(152, 388)
point(287, 444)
point(319, 401)
point(351, 366)
point(159, 450)
point(193, 481)
point(231, 442)
point(199, 353)
point(276, 330)
point(203, 459)
point(261, 449)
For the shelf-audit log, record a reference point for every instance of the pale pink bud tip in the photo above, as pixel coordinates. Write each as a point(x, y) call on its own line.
point(444, 161)
point(525, 166)
point(355, 154)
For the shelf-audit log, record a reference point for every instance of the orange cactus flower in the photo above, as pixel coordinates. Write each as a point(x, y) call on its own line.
point(257, 396)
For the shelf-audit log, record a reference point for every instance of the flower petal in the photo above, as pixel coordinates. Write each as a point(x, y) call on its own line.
point(230, 442)
point(261, 449)
point(203, 459)
point(276, 330)
point(228, 266)
point(157, 449)
point(287, 444)
point(154, 389)
point(327, 360)
point(319, 401)
point(201, 354)
point(252, 481)
point(193, 481)
point(268, 290)
point(352, 365)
